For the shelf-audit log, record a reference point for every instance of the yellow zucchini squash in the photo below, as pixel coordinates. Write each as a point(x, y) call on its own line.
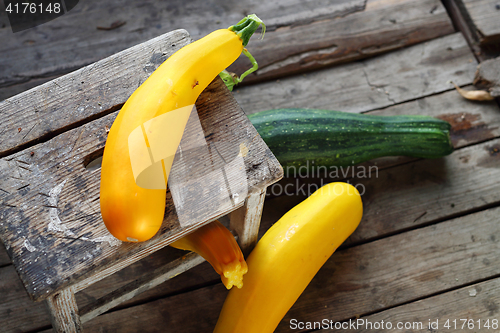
point(151, 124)
point(217, 245)
point(288, 256)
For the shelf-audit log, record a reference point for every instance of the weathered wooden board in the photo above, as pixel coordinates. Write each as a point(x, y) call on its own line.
point(472, 123)
point(414, 194)
point(381, 27)
point(465, 309)
point(18, 313)
point(484, 18)
point(461, 184)
point(356, 281)
point(74, 40)
point(4, 257)
point(50, 49)
point(41, 113)
point(488, 76)
point(52, 185)
point(86, 94)
point(399, 76)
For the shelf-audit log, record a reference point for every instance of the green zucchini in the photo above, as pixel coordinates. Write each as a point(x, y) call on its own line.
point(309, 137)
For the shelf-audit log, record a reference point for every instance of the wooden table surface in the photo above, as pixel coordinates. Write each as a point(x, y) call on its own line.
point(427, 249)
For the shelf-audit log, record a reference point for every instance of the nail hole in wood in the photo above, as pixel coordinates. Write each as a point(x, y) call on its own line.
point(93, 160)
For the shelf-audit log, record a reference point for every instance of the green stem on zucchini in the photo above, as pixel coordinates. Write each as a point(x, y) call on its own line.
point(231, 79)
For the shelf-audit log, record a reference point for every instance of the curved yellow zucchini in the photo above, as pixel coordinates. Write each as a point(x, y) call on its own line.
point(132, 212)
point(288, 256)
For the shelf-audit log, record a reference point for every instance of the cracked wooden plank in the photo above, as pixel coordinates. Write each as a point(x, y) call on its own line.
point(379, 28)
point(414, 72)
point(72, 41)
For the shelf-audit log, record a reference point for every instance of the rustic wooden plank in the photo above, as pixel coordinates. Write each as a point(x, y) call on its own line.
point(4, 257)
point(381, 27)
point(488, 76)
point(433, 190)
point(18, 313)
point(421, 192)
point(51, 254)
point(400, 76)
point(473, 123)
point(86, 94)
point(64, 312)
point(138, 286)
point(462, 23)
point(35, 122)
point(194, 311)
point(392, 271)
point(72, 41)
point(246, 220)
point(464, 309)
point(484, 19)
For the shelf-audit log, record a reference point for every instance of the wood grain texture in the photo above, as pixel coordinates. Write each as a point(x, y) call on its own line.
point(488, 76)
point(52, 185)
point(381, 27)
point(400, 76)
point(472, 123)
point(246, 221)
point(392, 271)
point(484, 16)
point(83, 95)
point(413, 194)
point(64, 312)
point(472, 306)
point(73, 40)
point(138, 286)
point(18, 313)
point(323, 33)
